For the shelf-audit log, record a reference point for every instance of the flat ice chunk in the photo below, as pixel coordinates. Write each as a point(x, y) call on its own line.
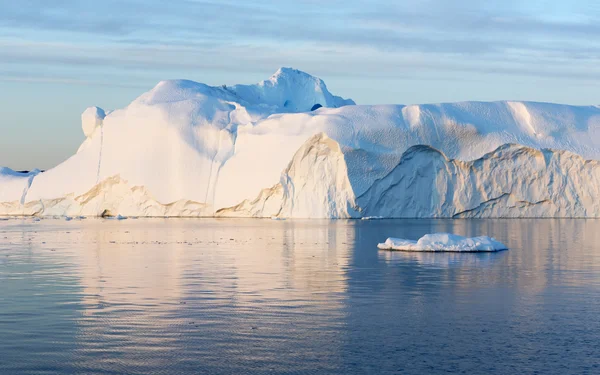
point(444, 242)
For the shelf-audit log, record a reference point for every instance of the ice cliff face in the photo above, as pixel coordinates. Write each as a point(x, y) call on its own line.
point(513, 181)
point(314, 185)
point(221, 147)
point(111, 197)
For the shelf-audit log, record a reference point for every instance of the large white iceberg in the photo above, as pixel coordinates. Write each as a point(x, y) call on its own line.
point(188, 149)
point(444, 242)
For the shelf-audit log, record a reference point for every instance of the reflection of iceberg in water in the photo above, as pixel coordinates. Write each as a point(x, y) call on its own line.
point(130, 284)
point(443, 259)
point(226, 296)
point(165, 286)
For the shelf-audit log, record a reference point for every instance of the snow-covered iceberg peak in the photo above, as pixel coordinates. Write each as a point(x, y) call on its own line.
point(291, 90)
point(444, 242)
point(286, 91)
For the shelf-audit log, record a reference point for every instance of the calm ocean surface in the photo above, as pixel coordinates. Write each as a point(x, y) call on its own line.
point(177, 296)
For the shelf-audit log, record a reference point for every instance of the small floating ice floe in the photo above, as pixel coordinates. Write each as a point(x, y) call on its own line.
point(444, 242)
point(372, 218)
point(277, 218)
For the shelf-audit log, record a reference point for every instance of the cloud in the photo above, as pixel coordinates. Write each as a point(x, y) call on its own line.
point(425, 38)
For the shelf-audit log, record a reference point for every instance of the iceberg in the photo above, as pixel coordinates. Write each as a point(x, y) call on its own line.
point(444, 242)
point(287, 147)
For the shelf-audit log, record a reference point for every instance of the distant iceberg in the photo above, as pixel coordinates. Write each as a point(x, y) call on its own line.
point(444, 242)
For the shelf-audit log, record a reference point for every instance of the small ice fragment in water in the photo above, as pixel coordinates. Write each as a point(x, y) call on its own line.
point(118, 217)
point(444, 242)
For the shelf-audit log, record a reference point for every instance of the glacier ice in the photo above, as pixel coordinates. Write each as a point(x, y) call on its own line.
point(91, 119)
point(512, 181)
point(444, 242)
point(188, 149)
point(314, 185)
point(15, 185)
point(290, 90)
point(113, 197)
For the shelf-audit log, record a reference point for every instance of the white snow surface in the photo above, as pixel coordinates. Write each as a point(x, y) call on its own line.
point(444, 242)
point(15, 185)
point(91, 119)
point(289, 90)
point(217, 147)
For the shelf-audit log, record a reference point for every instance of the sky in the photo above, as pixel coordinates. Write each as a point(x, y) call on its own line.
point(59, 57)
